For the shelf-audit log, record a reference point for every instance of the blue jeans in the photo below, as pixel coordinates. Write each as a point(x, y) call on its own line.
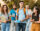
point(28, 25)
point(21, 26)
point(5, 26)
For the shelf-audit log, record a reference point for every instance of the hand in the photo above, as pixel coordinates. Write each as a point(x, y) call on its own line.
point(22, 20)
point(4, 21)
point(32, 20)
point(37, 22)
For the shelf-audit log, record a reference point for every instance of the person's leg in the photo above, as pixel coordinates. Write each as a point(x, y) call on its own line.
point(37, 27)
point(33, 27)
point(18, 27)
point(11, 26)
point(3, 27)
point(28, 25)
point(23, 26)
point(7, 26)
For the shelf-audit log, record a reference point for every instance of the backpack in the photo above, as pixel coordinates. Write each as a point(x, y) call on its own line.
point(24, 12)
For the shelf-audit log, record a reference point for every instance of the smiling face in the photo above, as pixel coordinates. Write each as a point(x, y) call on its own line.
point(14, 6)
point(21, 4)
point(5, 8)
point(34, 10)
point(27, 6)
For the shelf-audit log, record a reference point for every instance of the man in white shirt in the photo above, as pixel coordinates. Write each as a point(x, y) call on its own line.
point(28, 24)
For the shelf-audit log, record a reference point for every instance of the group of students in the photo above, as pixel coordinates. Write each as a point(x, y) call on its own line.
point(23, 17)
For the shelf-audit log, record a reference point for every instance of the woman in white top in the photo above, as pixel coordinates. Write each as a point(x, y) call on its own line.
point(5, 25)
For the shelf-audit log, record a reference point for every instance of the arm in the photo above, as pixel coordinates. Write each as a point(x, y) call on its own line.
point(38, 21)
point(9, 17)
point(16, 17)
point(25, 18)
point(32, 20)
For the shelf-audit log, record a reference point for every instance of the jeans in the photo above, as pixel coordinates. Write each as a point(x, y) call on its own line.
point(21, 26)
point(12, 27)
point(28, 25)
point(5, 26)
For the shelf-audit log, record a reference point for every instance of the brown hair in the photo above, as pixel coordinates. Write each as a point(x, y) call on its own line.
point(3, 9)
point(13, 4)
point(0, 5)
point(21, 1)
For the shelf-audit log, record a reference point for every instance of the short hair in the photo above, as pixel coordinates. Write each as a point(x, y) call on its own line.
point(21, 1)
point(13, 4)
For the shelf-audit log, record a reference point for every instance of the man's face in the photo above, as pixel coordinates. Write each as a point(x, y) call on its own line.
point(27, 6)
point(14, 6)
point(21, 4)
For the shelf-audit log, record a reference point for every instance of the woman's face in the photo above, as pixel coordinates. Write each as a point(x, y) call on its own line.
point(34, 10)
point(5, 8)
point(14, 6)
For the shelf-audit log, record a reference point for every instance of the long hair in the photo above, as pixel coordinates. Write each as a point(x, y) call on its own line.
point(37, 10)
point(3, 9)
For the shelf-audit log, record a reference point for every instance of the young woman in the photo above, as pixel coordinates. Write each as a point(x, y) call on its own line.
point(5, 24)
point(35, 20)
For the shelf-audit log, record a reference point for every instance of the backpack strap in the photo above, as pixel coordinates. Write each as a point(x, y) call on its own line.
point(17, 11)
point(24, 12)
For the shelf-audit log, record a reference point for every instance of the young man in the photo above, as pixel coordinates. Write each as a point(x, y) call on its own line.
point(21, 16)
point(13, 17)
point(28, 25)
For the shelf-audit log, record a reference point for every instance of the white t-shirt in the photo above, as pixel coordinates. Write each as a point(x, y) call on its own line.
point(29, 12)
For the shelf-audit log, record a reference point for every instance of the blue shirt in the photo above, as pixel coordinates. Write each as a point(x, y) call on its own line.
point(21, 15)
point(13, 14)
